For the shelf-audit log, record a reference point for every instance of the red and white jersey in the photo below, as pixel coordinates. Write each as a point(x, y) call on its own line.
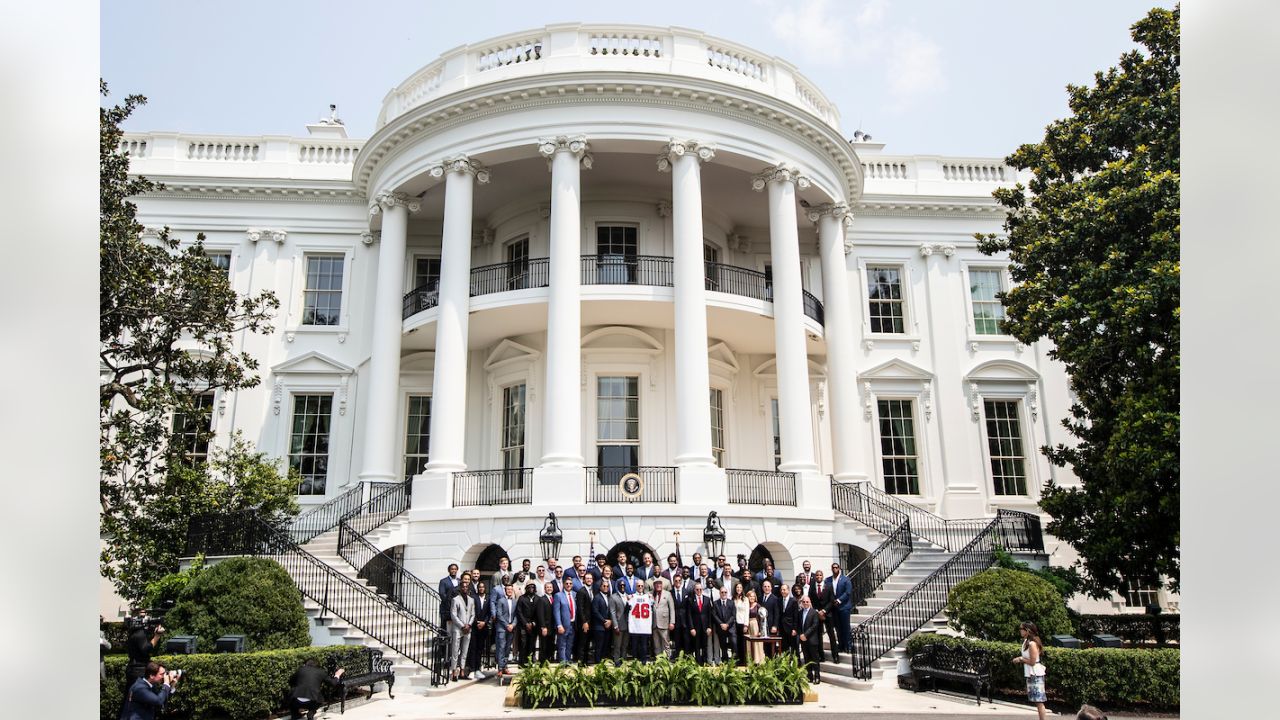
point(640, 614)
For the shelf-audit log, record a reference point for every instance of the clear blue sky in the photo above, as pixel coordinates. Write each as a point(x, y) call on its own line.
point(927, 77)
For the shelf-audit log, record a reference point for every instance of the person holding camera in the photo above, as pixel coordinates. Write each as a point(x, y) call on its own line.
point(306, 690)
point(146, 697)
point(144, 635)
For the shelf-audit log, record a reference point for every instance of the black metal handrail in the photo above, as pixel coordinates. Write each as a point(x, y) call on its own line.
point(738, 281)
point(515, 275)
point(607, 269)
point(813, 307)
point(761, 487)
point(421, 298)
point(323, 518)
point(895, 525)
point(381, 507)
point(389, 577)
point(362, 608)
point(510, 486)
point(606, 484)
point(947, 534)
point(894, 623)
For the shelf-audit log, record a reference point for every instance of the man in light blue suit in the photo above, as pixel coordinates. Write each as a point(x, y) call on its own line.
point(563, 612)
point(504, 624)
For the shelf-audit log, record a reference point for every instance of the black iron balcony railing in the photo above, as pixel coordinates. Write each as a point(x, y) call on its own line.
point(628, 270)
point(652, 270)
point(761, 487)
point(511, 486)
point(606, 484)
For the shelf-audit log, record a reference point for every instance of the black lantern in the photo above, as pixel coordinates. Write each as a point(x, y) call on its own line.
point(550, 537)
point(713, 536)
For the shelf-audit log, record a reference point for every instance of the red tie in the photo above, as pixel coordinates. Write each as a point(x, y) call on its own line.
point(699, 603)
point(570, 606)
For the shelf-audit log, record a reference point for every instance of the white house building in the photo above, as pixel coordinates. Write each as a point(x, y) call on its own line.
point(584, 251)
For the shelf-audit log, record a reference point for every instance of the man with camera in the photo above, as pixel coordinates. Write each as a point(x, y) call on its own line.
point(306, 688)
point(145, 698)
point(144, 635)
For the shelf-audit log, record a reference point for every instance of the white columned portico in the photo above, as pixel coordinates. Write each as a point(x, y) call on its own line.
point(842, 372)
point(700, 481)
point(384, 361)
point(794, 402)
point(559, 477)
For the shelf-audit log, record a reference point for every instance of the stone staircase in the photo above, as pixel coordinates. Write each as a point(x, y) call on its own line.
point(924, 559)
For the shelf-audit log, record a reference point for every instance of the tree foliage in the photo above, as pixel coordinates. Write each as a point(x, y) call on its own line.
point(168, 323)
point(991, 605)
point(1093, 242)
point(247, 596)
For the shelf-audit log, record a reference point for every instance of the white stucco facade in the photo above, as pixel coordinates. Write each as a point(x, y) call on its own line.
point(502, 171)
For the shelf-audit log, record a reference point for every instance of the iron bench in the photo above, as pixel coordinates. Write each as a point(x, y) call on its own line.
point(953, 663)
point(368, 669)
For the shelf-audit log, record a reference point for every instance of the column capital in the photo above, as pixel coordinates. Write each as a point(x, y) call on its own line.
point(947, 249)
point(576, 144)
point(677, 148)
point(257, 234)
point(840, 211)
point(369, 237)
point(778, 173)
point(460, 164)
point(387, 199)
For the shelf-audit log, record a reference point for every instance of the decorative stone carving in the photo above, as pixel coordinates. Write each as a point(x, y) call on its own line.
point(343, 385)
point(822, 399)
point(973, 347)
point(866, 400)
point(947, 249)
point(677, 148)
point(277, 396)
point(975, 402)
point(387, 199)
point(915, 345)
point(482, 236)
point(1032, 404)
point(460, 164)
point(151, 232)
point(664, 208)
point(544, 210)
point(576, 144)
point(257, 234)
point(289, 336)
point(738, 242)
point(778, 173)
point(926, 400)
point(368, 237)
point(869, 344)
point(838, 210)
point(222, 403)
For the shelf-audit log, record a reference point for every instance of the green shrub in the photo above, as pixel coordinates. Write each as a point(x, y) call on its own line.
point(238, 685)
point(991, 604)
point(780, 679)
point(1108, 677)
point(247, 596)
point(1066, 580)
point(170, 586)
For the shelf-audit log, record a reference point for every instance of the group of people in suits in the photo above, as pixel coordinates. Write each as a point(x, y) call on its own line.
point(589, 613)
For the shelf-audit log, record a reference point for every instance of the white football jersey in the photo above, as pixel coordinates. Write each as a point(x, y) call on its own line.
point(640, 614)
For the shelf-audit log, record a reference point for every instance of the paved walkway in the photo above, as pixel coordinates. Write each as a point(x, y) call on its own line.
point(484, 700)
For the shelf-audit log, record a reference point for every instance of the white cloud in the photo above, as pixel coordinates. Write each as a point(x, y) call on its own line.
point(865, 38)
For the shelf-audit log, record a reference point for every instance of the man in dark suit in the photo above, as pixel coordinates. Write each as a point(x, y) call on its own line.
point(306, 688)
point(582, 621)
point(724, 621)
point(620, 565)
point(773, 606)
point(627, 580)
point(820, 594)
point(787, 624)
point(146, 697)
point(527, 624)
point(697, 612)
point(842, 603)
point(601, 624)
point(546, 623)
point(448, 588)
point(810, 637)
point(647, 570)
point(681, 591)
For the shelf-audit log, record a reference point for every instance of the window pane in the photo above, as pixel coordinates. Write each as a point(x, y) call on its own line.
point(417, 440)
point(1004, 443)
point(309, 441)
point(886, 311)
point(898, 447)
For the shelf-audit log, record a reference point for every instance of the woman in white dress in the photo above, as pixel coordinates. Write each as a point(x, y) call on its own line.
point(1032, 667)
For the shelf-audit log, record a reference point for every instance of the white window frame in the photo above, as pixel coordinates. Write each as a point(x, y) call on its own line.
point(910, 320)
point(773, 415)
point(297, 303)
point(288, 383)
point(922, 455)
point(288, 435)
point(1005, 283)
point(406, 396)
point(231, 248)
point(641, 380)
point(724, 422)
point(411, 272)
point(1030, 447)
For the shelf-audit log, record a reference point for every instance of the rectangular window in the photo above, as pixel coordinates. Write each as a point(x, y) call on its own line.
point(221, 259)
point(777, 434)
point(1004, 443)
point(717, 425)
point(417, 435)
point(617, 425)
point(513, 420)
point(518, 264)
point(322, 299)
point(191, 431)
point(426, 274)
point(768, 282)
point(987, 310)
point(309, 441)
point(899, 460)
point(1141, 595)
point(617, 247)
point(884, 293)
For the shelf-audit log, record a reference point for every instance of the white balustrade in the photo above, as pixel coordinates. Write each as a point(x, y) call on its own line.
point(328, 153)
point(134, 148)
point(736, 61)
point(878, 170)
point(625, 43)
point(813, 99)
point(973, 172)
point(509, 53)
point(223, 150)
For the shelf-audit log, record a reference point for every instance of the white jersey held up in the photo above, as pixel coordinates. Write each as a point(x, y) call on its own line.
point(640, 614)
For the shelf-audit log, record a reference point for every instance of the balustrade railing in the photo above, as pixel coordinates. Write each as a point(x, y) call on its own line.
point(813, 307)
point(421, 299)
point(761, 487)
point(627, 270)
point(383, 505)
point(501, 277)
point(895, 525)
point(389, 577)
point(323, 518)
point(623, 484)
point(738, 281)
point(509, 486)
point(947, 534)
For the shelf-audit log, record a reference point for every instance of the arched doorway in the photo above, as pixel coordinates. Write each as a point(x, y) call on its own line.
point(489, 557)
point(634, 550)
point(755, 563)
point(851, 556)
point(775, 553)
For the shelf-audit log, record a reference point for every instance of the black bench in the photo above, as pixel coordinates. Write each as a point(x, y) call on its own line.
point(367, 669)
point(953, 663)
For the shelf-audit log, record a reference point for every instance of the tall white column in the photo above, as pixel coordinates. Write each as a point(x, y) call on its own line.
point(788, 318)
point(449, 377)
point(384, 363)
point(842, 372)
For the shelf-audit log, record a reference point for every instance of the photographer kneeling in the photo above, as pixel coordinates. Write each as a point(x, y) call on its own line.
point(146, 697)
point(305, 691)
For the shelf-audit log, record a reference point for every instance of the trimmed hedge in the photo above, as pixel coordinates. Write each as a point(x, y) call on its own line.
point(1107, 677)
point(778, 680)
point(248, 596)
point(991, 605)
point(242, 686)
